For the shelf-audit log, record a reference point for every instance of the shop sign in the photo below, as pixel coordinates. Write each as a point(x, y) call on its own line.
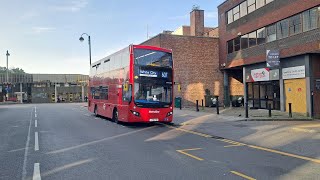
point(262, 74)
point(294, 72)
point(273, 58)
point(274, 75)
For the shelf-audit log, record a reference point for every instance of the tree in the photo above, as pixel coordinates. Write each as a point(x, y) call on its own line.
point(3, 70)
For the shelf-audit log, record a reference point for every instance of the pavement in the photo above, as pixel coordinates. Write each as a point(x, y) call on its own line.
point(65, 141)
point(254, 114)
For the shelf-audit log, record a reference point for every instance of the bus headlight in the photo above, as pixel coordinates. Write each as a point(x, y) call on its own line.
point(135, 113)
point(169, 113)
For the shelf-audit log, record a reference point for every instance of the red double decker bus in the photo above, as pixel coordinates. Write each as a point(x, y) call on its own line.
point(133, 85)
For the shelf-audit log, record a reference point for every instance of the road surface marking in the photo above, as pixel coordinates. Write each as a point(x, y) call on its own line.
point(184, 115)
point(235, 145)
point(66, 167)
point(190, 155)
point(98, 141)
point(87, 115)
point(285, 154)
point(248, 145)
point(242, 175)
point(188, 131)
point(35, 123)
point(36, 172)
point(24, 167)
point(15, 150)
point(231, 142)
point(36, 141)
point(35, 115)
point(304, 130)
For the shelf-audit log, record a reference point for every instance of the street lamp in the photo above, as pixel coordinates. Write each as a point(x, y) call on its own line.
point(7, 94)
point(7, 66)
point(89, 42)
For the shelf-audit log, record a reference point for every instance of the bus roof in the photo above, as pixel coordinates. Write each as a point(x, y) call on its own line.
point(135, 47)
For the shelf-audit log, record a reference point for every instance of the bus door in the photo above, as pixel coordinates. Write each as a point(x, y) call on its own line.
point(124, 100)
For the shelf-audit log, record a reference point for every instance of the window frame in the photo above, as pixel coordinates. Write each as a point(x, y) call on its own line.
point(253, 4)
point(293, 25)
point(280, 32)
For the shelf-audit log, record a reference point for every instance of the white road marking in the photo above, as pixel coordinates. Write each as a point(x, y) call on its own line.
point(87, 115)
point(24, 167)
point(36, 141)
point(35, 115)
point(35, 123)
point(36, 172)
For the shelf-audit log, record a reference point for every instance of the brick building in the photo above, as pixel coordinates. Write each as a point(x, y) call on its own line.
point(196, 58)
point(248, 29)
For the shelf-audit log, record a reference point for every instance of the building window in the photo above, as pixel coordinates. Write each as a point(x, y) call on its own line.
point(253, 39)
point(251, 5)
point(230, 17)
point(230, 46)
point(310, 19)
point(243, 9)
point(283, 29)
point(271, 33)
point(261, 36)
point(295, 24)
point(244, 41)
point(237, 44)
point(236, 13)
point(268, 1)
point(260, 3)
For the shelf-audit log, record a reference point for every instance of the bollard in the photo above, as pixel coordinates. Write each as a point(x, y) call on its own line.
point(247, 110)
point(202, 104)
point(197, 105)
point(290, 110)
point(217, 105)
point(269, 108)
point(312, 105)
point(180, 104)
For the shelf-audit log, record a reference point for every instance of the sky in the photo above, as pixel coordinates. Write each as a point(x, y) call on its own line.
point(42, 36)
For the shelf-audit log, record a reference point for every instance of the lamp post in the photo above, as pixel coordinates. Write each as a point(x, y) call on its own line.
point(7, 78)
point(89, 42)
point(7, 66)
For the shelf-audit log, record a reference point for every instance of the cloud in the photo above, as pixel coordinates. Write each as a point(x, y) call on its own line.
point(72, 6)
point(39, 30)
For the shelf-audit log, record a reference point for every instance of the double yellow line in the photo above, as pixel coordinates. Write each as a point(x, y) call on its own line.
point(235, 143)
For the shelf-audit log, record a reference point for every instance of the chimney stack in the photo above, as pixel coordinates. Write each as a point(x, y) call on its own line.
point(197, 22)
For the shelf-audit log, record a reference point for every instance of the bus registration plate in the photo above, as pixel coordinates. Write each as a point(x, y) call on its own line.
point(154, 120)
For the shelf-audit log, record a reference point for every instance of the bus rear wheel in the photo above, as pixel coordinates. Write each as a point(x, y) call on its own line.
point(115, 116)
point(95, 110)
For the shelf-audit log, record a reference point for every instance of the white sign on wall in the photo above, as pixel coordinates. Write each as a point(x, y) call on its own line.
point(294, 72)
point(262, 74)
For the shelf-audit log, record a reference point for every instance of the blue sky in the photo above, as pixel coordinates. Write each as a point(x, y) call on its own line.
point(42, 36)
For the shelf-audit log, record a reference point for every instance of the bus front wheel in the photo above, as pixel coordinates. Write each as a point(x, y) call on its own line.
point(115, 116)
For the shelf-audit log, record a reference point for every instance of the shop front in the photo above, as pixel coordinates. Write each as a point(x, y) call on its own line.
point(263, 88)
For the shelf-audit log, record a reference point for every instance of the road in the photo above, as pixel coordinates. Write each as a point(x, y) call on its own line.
point(65, 141)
